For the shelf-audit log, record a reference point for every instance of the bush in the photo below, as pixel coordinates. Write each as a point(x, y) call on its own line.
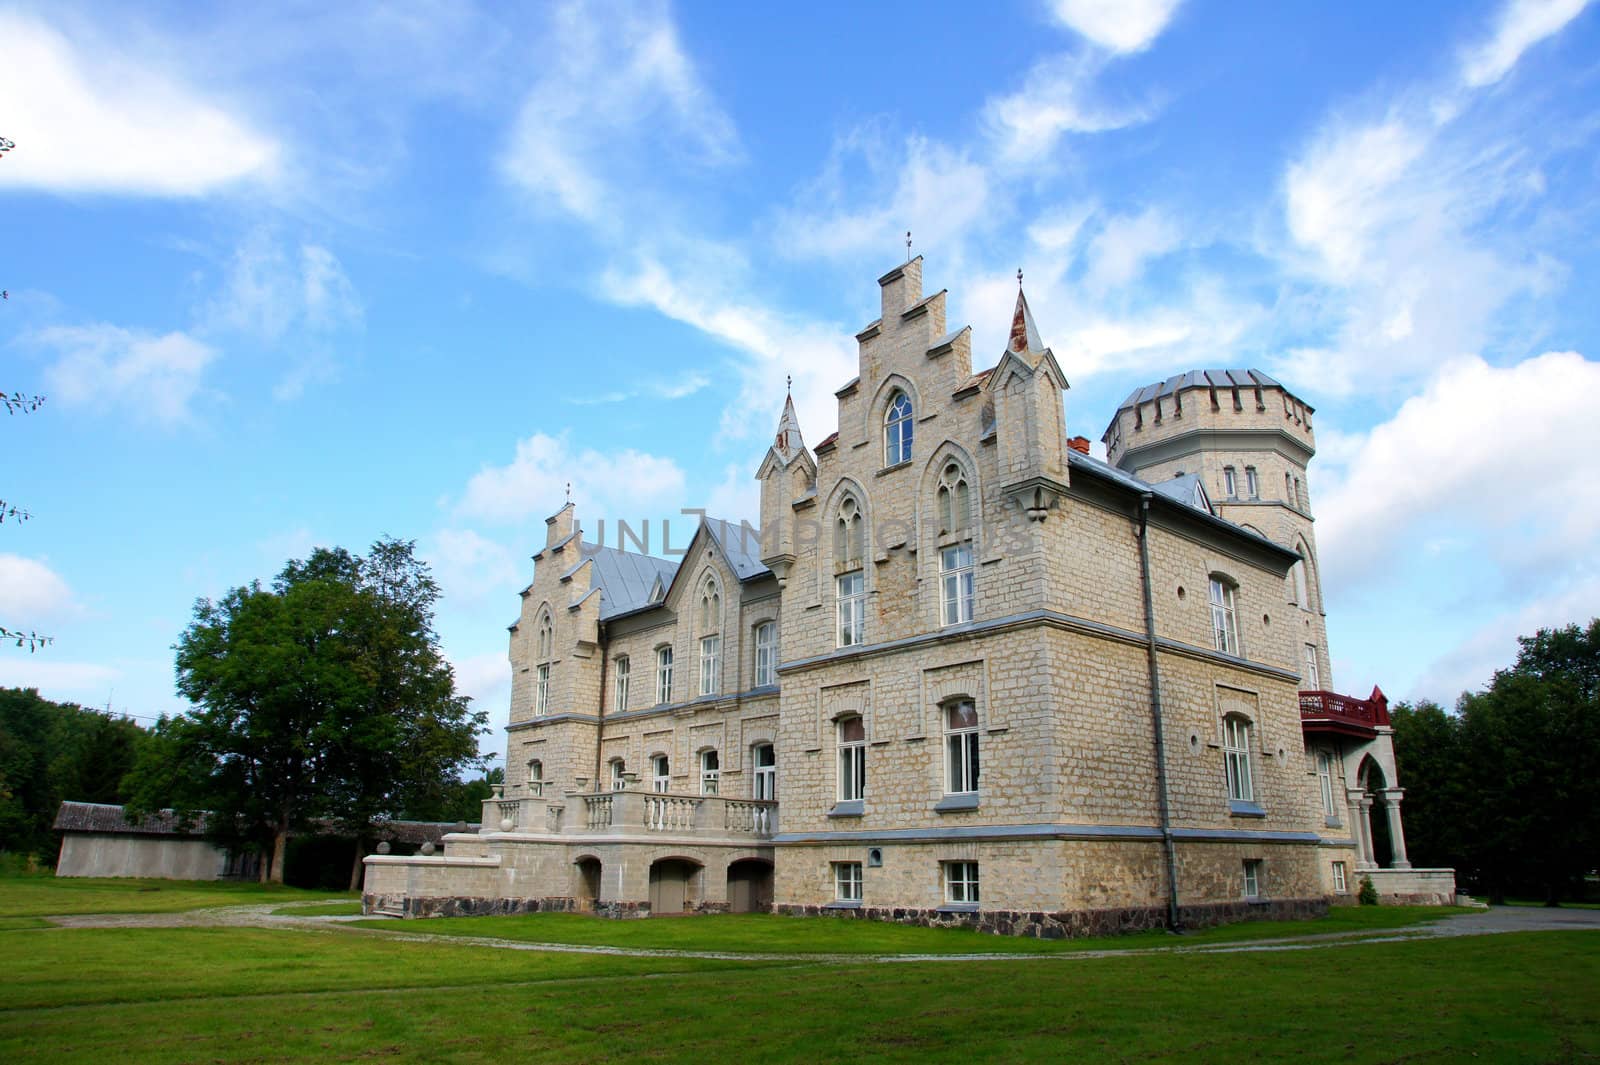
point(1368, 895)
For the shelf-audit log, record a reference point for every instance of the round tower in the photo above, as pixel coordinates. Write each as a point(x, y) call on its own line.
point(1250, 441)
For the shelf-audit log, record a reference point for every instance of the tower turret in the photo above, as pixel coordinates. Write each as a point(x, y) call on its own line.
point(787, 473)
point(1026, 388)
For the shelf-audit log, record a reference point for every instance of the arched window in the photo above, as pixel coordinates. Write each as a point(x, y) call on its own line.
point(1236, 758)
point(897, 430)
point(1330, 809)
point(536, 778)
point(546, 637)
point(541, 677)
point(624, 668)
point(852, 760)
point(663, 674)
point(766, 776)
point(849, 534)
point(1297, 585)
point(955, 500)
point(710, 605)
point(766, 654)
point(710, 772)
point(961, 747)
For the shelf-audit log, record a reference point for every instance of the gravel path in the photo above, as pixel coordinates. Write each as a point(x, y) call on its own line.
point(1494, 921)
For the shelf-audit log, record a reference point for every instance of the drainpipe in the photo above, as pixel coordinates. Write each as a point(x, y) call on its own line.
point(600, 710)
point(1164, 799)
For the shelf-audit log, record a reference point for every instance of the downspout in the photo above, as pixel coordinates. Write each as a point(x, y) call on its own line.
point(600, 711)
point(1164, 800)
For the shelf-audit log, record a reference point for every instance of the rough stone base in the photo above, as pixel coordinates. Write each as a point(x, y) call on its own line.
point(407, 906)
point(1072, 924)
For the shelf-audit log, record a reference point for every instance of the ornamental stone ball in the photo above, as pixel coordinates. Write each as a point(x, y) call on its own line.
point(506, 824)
point(383, 847)
point(427, 848)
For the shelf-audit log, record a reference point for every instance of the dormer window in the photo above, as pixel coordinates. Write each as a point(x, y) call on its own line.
point(897, 430)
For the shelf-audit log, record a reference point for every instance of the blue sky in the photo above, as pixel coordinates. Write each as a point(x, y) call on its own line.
point(313, 274)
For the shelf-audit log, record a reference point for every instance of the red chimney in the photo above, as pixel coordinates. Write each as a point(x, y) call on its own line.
point(1079, 444)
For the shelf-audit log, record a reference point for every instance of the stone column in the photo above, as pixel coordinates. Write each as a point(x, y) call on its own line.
point(1369, 855)
point(1358, 828)
point(1397, 837)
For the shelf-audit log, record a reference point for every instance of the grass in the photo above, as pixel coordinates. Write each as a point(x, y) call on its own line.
point(771, 934)
point(43, 896)
point(249, 995)
point(326, 909)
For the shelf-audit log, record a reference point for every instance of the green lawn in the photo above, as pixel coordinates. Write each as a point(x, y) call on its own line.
point(325, 909)
point(41, 896)
point(248, 995)
point(766, 933)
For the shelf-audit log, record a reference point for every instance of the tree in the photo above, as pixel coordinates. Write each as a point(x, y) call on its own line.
point(324, 696)
point(1427, 746)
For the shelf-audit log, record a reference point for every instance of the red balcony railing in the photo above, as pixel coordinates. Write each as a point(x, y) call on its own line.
point(1332, 712)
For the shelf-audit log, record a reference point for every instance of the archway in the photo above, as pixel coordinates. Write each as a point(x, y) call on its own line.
point(1373, 784)
point(750, 886)
point(672, 885)
point(588, 892)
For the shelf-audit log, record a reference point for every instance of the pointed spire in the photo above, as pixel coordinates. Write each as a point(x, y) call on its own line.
point(788, 442)
point(1024, 334)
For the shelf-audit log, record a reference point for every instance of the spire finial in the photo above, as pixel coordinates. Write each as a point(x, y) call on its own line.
point(569, 491)
point(788, 384)
point(908, 245)
point(1019, 277)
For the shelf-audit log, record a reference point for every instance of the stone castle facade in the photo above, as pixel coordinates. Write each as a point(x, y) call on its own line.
point(964, 673)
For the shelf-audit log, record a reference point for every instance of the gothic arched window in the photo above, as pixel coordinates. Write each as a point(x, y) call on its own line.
point(897, 430)
point(955, 499)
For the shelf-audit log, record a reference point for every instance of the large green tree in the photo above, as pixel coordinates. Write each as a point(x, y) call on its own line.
point(323, 697)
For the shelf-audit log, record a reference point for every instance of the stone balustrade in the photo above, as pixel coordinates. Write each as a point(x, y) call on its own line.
point(633, 813)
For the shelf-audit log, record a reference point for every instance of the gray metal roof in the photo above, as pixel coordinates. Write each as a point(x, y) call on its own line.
point(1185, 488)
point(741, 545)
point(1199, 379)
point(626, 577)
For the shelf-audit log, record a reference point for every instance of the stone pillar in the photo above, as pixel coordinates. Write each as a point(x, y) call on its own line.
point(1369, 856)
point(1397, 836)
point(1358, 828)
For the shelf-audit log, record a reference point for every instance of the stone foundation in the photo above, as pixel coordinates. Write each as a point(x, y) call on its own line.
point(1075, 924)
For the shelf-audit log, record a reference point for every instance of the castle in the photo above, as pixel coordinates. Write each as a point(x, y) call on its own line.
point(964, 673)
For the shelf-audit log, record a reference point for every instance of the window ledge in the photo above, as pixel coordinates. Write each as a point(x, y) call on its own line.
point(1332, 822)
point(843, 904)
point(848, 808)
point(1245, 809)
point(1257, 900)
point(968, 801)
point(958, 907)
point(897, 466)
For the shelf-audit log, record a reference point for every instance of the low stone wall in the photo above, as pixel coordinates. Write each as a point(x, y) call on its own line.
point(1413, 887)
point(459, 906)
point(1073, 924)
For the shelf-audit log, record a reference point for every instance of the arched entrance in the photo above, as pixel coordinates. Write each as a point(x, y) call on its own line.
point(750, 886)
point(1375, 813)
point(672, 885)
point(588, 887)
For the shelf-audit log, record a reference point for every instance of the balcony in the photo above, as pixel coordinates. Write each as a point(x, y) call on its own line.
point(634, 814)
point(1330, 713)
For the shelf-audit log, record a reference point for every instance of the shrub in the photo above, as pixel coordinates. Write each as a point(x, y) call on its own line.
point(1368, 894)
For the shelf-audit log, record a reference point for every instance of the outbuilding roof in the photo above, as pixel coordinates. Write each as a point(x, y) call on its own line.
point(110, 819)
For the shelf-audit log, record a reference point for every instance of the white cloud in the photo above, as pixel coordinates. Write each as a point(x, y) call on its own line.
point(1340, 193)
point(1119, 252)
point(471, 568)
point(88, 118)
point(680, 387)
point(155, 377)
point(1057, 97)
point(32, 592)
point(1475, 436)
point(737, 497)
point(616, 99)
point(1522, 24)
point(1117, 25)
point(84, 682)
point(269, 289)
point(625, 485)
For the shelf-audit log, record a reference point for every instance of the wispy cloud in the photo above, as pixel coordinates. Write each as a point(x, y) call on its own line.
point(1521, 25)
point(1117, 25)
point(680, 387)
point(88, 117)
point(627, 484)
point(153, 378)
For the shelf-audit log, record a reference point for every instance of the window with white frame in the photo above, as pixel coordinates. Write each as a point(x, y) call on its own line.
point(955, 583)
point(954, 500)
point(1224, 619)
point(710, 664)
point(710, 772)
point(660, 773)
point(897, 430)
point(961, 883)
point(1340, 884)
point(1236, 758)
point(1252, 483)
point(1325, 782)
point(1313, 676)
point(852, 607)
point(664, 675)
point(1230, 482)
point(536, 778)
point(847, 881)
point(541, 689)
point(852, 760)
point(1252, 878)
point(618, 780)
point(766, 654)
point(766, 775)
point(961, 747)
point(623, 668)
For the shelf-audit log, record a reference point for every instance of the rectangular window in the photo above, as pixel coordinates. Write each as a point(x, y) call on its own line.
point(1325, 781)
point(1312, 681)
point(618, 781)
point(1252, 879)
point(710, 664)
point(852, 608)
point(622, 682)
point(961, 883)
point(664, 675)
point(961, 748)
point(766, 654)
point(852, 760)
point(541, 692)
point(710, 772)
point(955, 579)
point(847, 881)
point(1340, 884)
point(1230, 482)
point(766, 783)
point(660, 775)
point(1252, 485)
point(1288, 488)
point(1224, 622)
point(1236, 758)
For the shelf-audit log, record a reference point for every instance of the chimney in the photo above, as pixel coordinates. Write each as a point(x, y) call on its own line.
point(1079, 444)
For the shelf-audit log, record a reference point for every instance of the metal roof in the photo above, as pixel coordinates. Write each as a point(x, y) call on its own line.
point(626, 577)
point(1199, 379)
point(741, 545)
point(1185, 488)
point(109, 819)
